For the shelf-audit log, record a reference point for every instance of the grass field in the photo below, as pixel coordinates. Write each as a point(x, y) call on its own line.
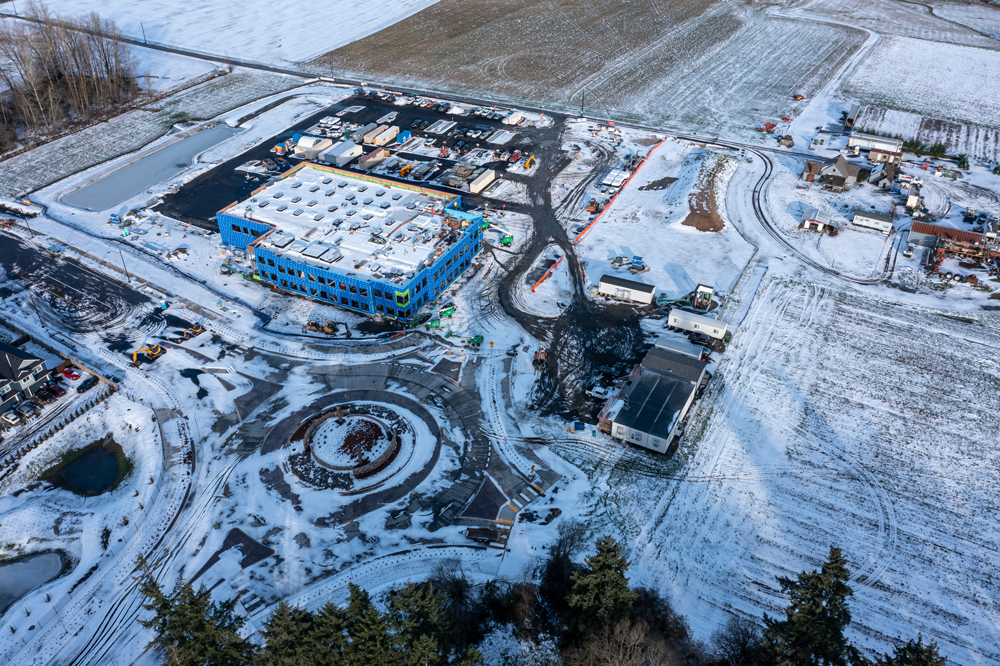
point(688, 63)
point(834, 418)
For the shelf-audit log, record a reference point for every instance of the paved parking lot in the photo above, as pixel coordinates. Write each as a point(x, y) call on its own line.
point(199, 200)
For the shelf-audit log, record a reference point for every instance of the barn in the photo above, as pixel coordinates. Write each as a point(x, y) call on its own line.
point(626, 290)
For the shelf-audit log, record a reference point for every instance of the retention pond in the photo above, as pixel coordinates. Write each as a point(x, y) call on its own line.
point(128, 181)
point(20, 577)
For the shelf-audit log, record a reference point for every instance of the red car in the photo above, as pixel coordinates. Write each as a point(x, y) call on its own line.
point(70, 373)
point(57, 389)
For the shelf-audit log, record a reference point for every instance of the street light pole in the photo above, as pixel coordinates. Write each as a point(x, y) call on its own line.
point(124, 266)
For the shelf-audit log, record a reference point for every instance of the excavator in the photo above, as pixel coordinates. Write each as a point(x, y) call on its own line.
point(529, 163)
point(191, 332)
point(153, 352)
point(405, 170)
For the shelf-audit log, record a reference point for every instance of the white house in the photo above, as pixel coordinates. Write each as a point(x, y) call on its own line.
point(696, 323)
point(880, 221)
point(626, 290)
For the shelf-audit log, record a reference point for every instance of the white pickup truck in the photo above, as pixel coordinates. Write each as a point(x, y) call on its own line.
point(599, 392)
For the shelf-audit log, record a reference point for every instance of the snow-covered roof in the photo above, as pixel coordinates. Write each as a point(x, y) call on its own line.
point(322, 215)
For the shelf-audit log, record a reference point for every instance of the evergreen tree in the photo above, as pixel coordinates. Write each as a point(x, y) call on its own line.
point(287, 638)
point(471, 657)
point(417, 617)
point(191, 630)
point(600, 596)
point(327, 637)
point(914, 653)
point(812, 632)
point(368, 631)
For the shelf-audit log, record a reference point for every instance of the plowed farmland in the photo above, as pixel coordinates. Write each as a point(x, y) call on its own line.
point(687, 63)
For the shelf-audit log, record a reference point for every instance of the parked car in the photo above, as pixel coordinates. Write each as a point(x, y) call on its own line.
point(71, 373)
point(599, 392)
point(87, 384)
point(415, 124)
point(11, 417)
point(26, 410)
point(57, 389)
point(45, 396)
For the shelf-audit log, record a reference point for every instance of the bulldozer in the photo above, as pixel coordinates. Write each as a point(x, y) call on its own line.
point(153, 352)
point(314, 327)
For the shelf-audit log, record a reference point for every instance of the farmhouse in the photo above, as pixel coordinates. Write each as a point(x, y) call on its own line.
point(883, 176)
point(880, 221)
point(841, 169)
point(626, 290)
point(21, 375)
point(818, 220)
point(696, 323)
point(879, 155)
point(870, 141)
point(376, 247)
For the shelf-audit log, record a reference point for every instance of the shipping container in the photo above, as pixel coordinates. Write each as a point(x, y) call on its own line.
point(404, 137)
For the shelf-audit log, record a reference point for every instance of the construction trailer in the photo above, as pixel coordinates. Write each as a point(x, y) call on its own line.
point(369, 137)
point(374, 158)
point(696, 323)
point(870, 141)
point(879, 221)
point(626, 290)
point(342, 153)
point(852, 116)
point(358, 135)
point(483, 181)
point(388, 135)
point(309, 147)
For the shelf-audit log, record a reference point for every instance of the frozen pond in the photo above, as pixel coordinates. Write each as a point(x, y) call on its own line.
point(19, 578)
point(125, 183)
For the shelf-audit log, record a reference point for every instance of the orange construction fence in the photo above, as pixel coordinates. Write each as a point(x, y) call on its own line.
point(620, 190)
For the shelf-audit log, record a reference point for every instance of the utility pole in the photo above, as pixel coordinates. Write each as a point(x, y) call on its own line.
point(124, 266)
point(583, 99)
point(143, 32)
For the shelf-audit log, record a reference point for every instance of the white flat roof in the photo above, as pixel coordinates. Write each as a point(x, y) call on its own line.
point(325, 219)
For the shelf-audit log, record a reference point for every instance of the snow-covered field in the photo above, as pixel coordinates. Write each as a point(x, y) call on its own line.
point(649, 223)
point(897, 18)
point(159, 71)
point(835, 418)
point(982, 18)
point(939, 80)
point(254, 31)
point(972, 140)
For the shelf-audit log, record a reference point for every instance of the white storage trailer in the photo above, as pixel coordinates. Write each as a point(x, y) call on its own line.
point(387, 136)
point(484, 179)
point(626, 290)
point(696, 323)
point(514, 118)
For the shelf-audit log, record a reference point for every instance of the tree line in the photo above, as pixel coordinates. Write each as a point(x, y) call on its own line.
point(563, 613)
point(55, 71)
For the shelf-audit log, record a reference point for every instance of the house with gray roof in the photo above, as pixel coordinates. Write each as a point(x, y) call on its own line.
point(21, 375)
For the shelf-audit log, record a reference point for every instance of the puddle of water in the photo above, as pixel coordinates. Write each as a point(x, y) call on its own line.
point(192, 374)
point(125, 183)
point(19, 578)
